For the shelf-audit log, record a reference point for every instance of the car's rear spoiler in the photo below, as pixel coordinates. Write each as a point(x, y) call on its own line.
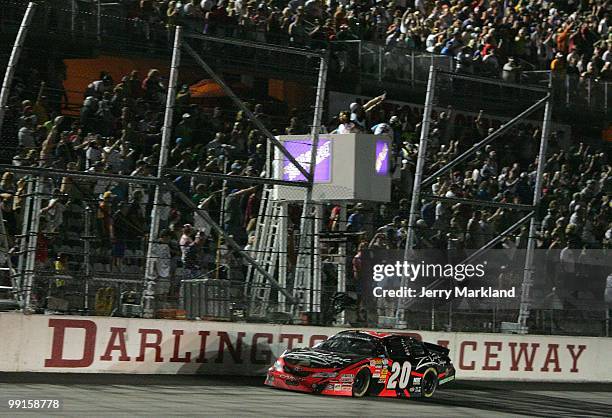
point(436, 348)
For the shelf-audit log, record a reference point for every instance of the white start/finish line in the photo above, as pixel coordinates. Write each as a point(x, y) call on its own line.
point(67, 344)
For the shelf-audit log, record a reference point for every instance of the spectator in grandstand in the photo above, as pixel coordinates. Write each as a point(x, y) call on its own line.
point(26, 133)
point(104, 220)
point(356, 221)
point(186, 240)
point(160, 272)
point(123, 231)
point(54, 213)
point(195, 257)
point(233, 216)
point(392, 231)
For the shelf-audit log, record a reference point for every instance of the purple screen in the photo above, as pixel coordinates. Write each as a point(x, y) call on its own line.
point(382, 158)
point(300, 150)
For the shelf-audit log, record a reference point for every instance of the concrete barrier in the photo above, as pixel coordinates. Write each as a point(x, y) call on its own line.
point(66, 344)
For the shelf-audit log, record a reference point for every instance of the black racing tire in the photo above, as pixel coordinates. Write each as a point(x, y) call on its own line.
point(429, 382)
point(361, 383)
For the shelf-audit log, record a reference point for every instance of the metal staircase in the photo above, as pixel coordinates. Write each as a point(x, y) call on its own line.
point(266, 249)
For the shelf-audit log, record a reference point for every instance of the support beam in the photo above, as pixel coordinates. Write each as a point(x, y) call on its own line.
point(305, 269)
point(416, 187)
point(258, 45)
point(99, 20)
point(23, 240)
point(245, 109)
point(30, 264)
point(478, 202)
point(534, 226)
point(148, 292)
point(283, 256)
point(341, 268)
point(14, 59)
point(490, 138)
point(80, 175)
point(424, 139)
point(234, 178)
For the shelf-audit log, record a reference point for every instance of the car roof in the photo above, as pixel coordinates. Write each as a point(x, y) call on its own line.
point(375, 334)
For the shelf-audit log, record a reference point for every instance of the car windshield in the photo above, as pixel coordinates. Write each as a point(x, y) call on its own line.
point(348, 344)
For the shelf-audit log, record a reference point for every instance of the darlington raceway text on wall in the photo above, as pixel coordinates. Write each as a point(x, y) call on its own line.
point(120, 345)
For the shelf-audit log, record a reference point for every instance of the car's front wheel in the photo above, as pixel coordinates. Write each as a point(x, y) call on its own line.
point(429, 382)
point(361, 384)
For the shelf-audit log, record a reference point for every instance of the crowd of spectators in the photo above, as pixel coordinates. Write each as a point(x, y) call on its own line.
point(119, 131)
point(575, 207)
point(493, 38)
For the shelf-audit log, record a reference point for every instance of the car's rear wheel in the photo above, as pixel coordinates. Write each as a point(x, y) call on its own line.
point(361, 384)
point(429, 382)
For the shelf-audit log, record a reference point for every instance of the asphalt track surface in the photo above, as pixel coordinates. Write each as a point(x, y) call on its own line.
point(86, 395)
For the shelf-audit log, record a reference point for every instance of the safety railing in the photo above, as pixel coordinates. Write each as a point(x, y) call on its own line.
point(573, 90)
point(397, 65)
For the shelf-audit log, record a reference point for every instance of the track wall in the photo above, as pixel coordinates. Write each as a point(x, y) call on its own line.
point(67, 344)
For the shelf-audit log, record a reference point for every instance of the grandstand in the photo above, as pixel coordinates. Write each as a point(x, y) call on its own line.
point(84, 123)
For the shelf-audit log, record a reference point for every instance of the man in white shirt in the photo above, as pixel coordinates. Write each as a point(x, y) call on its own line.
point(160, 271)
point(186, 240)
point(112, 156)
point(93, 153)
point(26, 134)
point(54, 212)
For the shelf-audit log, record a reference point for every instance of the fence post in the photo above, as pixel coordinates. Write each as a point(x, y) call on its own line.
point(99, 20)
point(380, 63)
point(14, 58)
point(412, 77)
point(589, 92)
point(87, 257)
point(73, 10)
point(30, 261)
point(534, 226)
point(149, 290)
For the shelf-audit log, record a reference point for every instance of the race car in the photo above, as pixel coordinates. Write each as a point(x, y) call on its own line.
point(357, 363)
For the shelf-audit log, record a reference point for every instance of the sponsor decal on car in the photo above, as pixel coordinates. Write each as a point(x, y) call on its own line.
point(292, 382)
point(347, 378)
point(416, 381)
point(383, 375)
point(346, 388)
point(337, 387)
point(376, 363)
